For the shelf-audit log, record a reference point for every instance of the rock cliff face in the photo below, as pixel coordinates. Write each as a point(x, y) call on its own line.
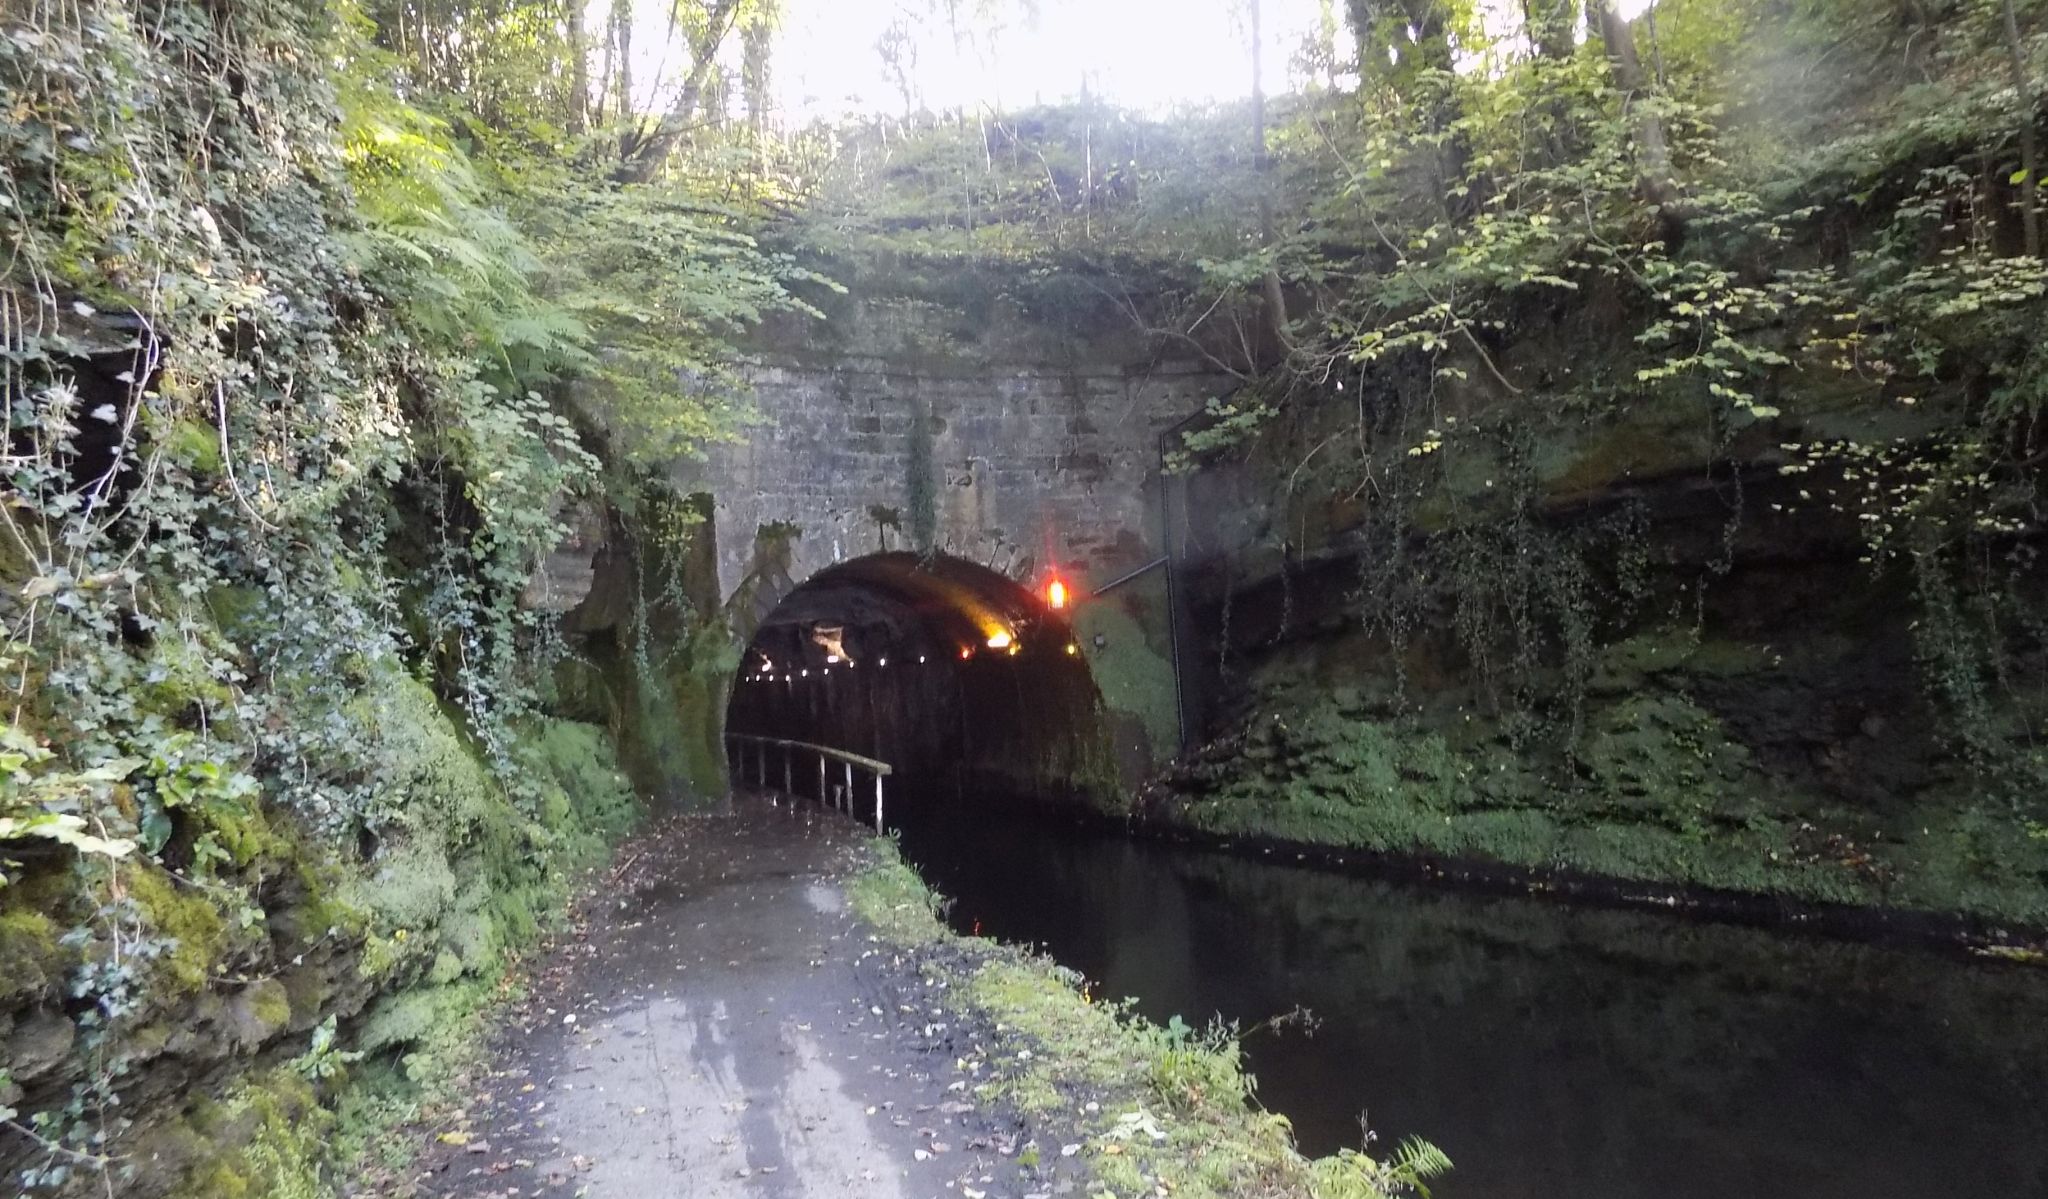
point(389, 941)
point(1648, 641)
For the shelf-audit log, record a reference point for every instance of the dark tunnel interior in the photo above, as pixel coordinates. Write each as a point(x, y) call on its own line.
point(968, 684)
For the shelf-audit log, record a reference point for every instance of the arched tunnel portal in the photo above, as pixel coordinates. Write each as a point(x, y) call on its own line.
point(969, 685)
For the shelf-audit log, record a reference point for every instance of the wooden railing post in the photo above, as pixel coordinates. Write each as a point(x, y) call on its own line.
point(736, 757)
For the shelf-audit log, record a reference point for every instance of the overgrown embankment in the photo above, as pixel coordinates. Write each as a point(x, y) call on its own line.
point(290, 771)
point(1649, 487)
point(1150, 1109)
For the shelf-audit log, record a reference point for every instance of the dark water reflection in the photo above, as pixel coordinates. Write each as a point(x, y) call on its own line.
point(1551, 1051)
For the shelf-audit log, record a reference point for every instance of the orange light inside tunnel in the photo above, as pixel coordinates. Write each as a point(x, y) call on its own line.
point(1056, 594)
point(1000, 639)
point(966, 652)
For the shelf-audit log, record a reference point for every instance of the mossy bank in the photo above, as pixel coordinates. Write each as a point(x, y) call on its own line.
point(1150, 1110)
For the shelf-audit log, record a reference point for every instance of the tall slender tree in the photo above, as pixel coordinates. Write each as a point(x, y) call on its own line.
point(703, 27)
point(1262, 164)
point(1553, 26)
point(1653, 148)
point(577, 118)
point(2029, 119)
point(1405, 49)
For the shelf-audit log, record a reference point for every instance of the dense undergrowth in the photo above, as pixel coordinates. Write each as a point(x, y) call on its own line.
point(1155, 1109)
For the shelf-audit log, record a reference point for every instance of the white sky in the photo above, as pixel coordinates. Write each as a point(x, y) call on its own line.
point(1149, 54)
point(1145, 54)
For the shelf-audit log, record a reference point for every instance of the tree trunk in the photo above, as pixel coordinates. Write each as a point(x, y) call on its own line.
point(579, 69)
point(2030, 150)
point(622, 37)
point(1653, 152)
point(1400, 41)
point(1276, 296)
point(1430, 51)
point(1551, 25)
point(1258, 88)
point(641, 155)
point(754, 71)
point(1372, 57)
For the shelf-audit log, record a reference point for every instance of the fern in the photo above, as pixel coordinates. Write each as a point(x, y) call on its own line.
point(1414, 1163)
point(1350, 1174)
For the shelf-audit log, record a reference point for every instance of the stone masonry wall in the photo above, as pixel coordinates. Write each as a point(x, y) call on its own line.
point(1016, 449)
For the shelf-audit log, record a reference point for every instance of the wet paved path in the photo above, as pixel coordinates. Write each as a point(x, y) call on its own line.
point(722, 1028)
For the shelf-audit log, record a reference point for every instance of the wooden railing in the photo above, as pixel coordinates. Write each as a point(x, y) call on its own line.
point(842, 799)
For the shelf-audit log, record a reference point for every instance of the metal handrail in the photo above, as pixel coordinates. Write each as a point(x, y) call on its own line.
point(875, 767)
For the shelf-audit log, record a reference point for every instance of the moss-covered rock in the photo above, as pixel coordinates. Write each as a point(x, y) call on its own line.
point(259, 1011)
point(31, 959)
point(412, 1016)
point(590, 802)
point(198, 935)
point(411, 884)
point(39, 1043)
point(266, 1140)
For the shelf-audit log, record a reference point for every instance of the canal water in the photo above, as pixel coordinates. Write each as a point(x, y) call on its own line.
point(1552, 1051)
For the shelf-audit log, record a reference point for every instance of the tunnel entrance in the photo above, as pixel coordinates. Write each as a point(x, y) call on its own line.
point(967, 683)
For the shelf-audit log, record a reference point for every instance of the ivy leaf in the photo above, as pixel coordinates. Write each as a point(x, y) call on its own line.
point(156, 829)
point(111, 771)
point(65, 830)
point(2017, 177)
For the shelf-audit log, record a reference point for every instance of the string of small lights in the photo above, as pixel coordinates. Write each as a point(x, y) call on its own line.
point(1002, 640)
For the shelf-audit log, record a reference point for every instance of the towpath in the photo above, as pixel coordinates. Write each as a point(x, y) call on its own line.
point(719, 1026)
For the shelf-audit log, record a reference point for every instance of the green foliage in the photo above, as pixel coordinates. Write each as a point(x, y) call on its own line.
point(433, 240)
point(921, 480)
point(1351, 1175)
point(1035, 184)
point(271, 1143)
point(666, 281)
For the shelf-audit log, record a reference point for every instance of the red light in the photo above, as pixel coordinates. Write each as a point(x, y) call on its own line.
point(1056, 595)
point(966, 652)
